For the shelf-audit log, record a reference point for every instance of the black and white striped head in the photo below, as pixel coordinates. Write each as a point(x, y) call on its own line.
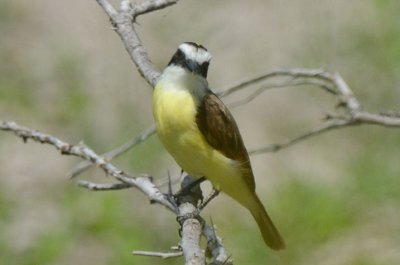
point(192, 57)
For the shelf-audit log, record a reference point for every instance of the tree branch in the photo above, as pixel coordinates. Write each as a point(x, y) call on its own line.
point(123, 22)
point(292, 73)
point(102, 187)
point(150, 6)
point(84, 165)
point(286, 83)
point(158, 254)
point(143, 183)
point(333, 84)
point(376, 119)
point(189, 218)
point(327, 126)
point(215, 246)
point(108, 8)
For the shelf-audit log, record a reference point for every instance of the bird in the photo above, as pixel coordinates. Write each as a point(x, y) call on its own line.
point(200, 133)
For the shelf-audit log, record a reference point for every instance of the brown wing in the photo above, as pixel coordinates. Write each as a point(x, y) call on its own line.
point(221, 131)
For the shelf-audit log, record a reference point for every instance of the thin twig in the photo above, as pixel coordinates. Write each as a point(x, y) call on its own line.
point(331, 83)
point(345, 93)
point(215, 246)
point(162, 255)
point(143, 136)
point(151, 6)
point(84, 165)
point(143, 183)
point(376, 119)
point(327, 126)
point(214, 193)
point(123, 23)
point(103, 187)
point(287, 83)
point(293, 73)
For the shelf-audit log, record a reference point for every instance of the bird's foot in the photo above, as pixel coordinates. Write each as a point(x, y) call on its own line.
point(190, 191)
point(214, 193)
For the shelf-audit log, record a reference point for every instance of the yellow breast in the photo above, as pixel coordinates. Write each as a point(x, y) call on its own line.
point(174, 111)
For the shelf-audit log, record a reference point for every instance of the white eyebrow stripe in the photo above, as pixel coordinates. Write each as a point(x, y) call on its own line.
point(192, 53)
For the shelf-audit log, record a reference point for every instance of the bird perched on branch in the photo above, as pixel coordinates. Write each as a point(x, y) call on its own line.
point(201, 134)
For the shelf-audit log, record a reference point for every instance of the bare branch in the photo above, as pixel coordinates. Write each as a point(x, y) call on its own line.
point(108, 8)
point(327, 126)
point(162, 255)
point(332, 83)
point(215, 246)
point(150, 6)
point(214, 193)
point(123, 22)
point(84, 165)
point(345, 93)
point(287, 83)
point(292, 73)
point(136, 50)
point(189, 218)
point(143, 183)
point(376, 119)
point(102, 187)
point(390, 113)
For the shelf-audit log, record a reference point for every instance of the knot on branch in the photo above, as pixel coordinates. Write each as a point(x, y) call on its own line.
point(191, 215)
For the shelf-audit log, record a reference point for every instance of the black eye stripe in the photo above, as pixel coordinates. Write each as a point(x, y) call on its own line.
point(178, 59)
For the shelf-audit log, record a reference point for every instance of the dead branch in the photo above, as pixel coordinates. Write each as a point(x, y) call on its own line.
point(215, 246)
point(143, 183)
point(84, 165)
point(163, 255)
point(101, 187)
point(189, 219)
point(332, 83)
point(123, 23)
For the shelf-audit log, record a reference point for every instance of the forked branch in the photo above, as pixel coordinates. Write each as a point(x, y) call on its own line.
point(123, 22)
point(333, 84)
point(143, 183)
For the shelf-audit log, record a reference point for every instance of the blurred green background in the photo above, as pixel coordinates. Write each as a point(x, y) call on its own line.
point(335, 198)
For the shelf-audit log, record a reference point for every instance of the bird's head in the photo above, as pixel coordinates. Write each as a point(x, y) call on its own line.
point(192, 57)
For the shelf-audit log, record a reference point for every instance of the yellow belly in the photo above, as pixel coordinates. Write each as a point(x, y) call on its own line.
point(175, 116)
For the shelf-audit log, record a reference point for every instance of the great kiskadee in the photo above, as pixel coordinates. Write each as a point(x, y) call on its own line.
point(201, 134)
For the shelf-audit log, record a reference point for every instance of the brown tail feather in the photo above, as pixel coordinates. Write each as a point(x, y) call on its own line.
point(268, 230)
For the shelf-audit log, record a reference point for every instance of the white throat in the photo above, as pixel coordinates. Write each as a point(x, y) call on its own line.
point(176, 78)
